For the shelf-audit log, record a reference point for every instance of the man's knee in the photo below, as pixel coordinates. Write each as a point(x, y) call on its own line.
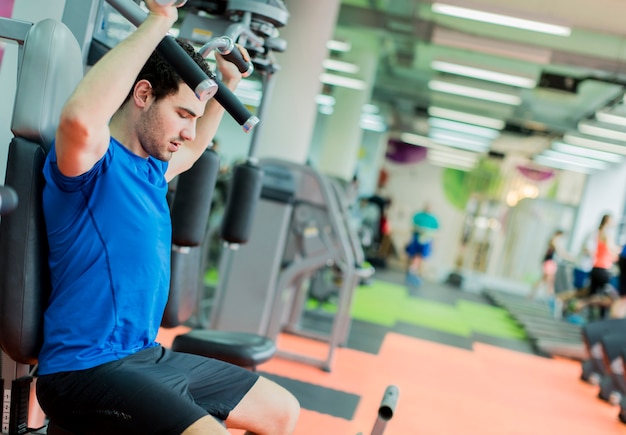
point(283, 407)
point(290, 411)
point(268, 408)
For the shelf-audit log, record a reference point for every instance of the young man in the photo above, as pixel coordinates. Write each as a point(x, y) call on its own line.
point(109, 230)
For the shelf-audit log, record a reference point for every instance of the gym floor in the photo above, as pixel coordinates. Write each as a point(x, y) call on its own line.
point(462, 366)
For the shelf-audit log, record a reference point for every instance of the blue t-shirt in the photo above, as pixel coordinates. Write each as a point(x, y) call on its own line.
point(109, 232)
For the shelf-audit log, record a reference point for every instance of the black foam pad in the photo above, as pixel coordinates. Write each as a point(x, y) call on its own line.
point(243, 195)
point(192, 200)
point(185, 284)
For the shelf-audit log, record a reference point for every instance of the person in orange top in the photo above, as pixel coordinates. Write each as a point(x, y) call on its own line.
point(606, 255)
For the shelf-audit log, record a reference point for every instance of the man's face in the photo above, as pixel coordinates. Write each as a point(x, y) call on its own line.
point(165, 125)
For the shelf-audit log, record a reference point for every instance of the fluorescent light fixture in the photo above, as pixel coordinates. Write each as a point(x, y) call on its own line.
point(451, 153)
point(469, 161)
point(560, 164)
point(458, 141)
point(468, 118)
point(483, 74)
point(371, 108)
point(345, 82)
point(502, 20)
point(450, 164)
point(509, 50)
point(372, 122)
point(416, 139)
point(250, 85)
point(249, 92)
point(575, 160)
point(601, 129)
point(423, 141)
point(340, 66)
point(336, 45)
point(594, 142)
point(615, 115)
point(460, 127)
point(325, 100)
point(326, 110)
point(467, 91)
point(586, 152)
point(249, 97)
point(452, 158)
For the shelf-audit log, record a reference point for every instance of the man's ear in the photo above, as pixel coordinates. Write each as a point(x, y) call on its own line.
point(142, 93)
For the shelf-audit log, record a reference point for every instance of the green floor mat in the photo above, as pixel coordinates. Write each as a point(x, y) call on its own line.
point(490, 320)
point(386, 303)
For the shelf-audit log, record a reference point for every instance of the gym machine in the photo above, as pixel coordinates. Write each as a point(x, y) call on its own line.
point(298, 228)
point(613, 385)
point(593, 368)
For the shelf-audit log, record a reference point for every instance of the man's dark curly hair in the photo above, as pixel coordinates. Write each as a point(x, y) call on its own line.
point(164, 80)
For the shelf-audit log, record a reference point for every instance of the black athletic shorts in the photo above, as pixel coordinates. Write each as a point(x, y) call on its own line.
point(155, 391)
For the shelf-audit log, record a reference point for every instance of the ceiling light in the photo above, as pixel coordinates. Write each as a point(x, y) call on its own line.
point(249, 92)
point(326, 110)
point(416, 139)
point(575, 160)
point(325, 100)
point(601, 129)
point(483, 74)
point(510, 50)
point(340, 66)
point(450, 161)
point(372, 122)
point(470, 160)
point(458, 141)
point(249, 97)
point(467, 91)
point(461, 127)
point(423, 141)
point(502, 20)
point(586, 152)
point(335, 45)
point(452, 153)
point(346, 82)
point(468, 118)
point(450, 164)
point(371, 108)
point(615, 115)
point(595, 143)
point(559, 164)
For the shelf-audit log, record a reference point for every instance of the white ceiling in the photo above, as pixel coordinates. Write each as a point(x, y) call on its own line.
point(411, 36)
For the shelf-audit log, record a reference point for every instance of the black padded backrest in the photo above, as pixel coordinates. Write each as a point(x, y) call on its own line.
point(51, 68)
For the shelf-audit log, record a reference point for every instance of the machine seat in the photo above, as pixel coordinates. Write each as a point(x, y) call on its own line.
point(239, 348)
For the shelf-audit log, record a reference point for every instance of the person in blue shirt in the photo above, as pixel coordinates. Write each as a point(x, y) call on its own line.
point(419, 248)
point(130, 126)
